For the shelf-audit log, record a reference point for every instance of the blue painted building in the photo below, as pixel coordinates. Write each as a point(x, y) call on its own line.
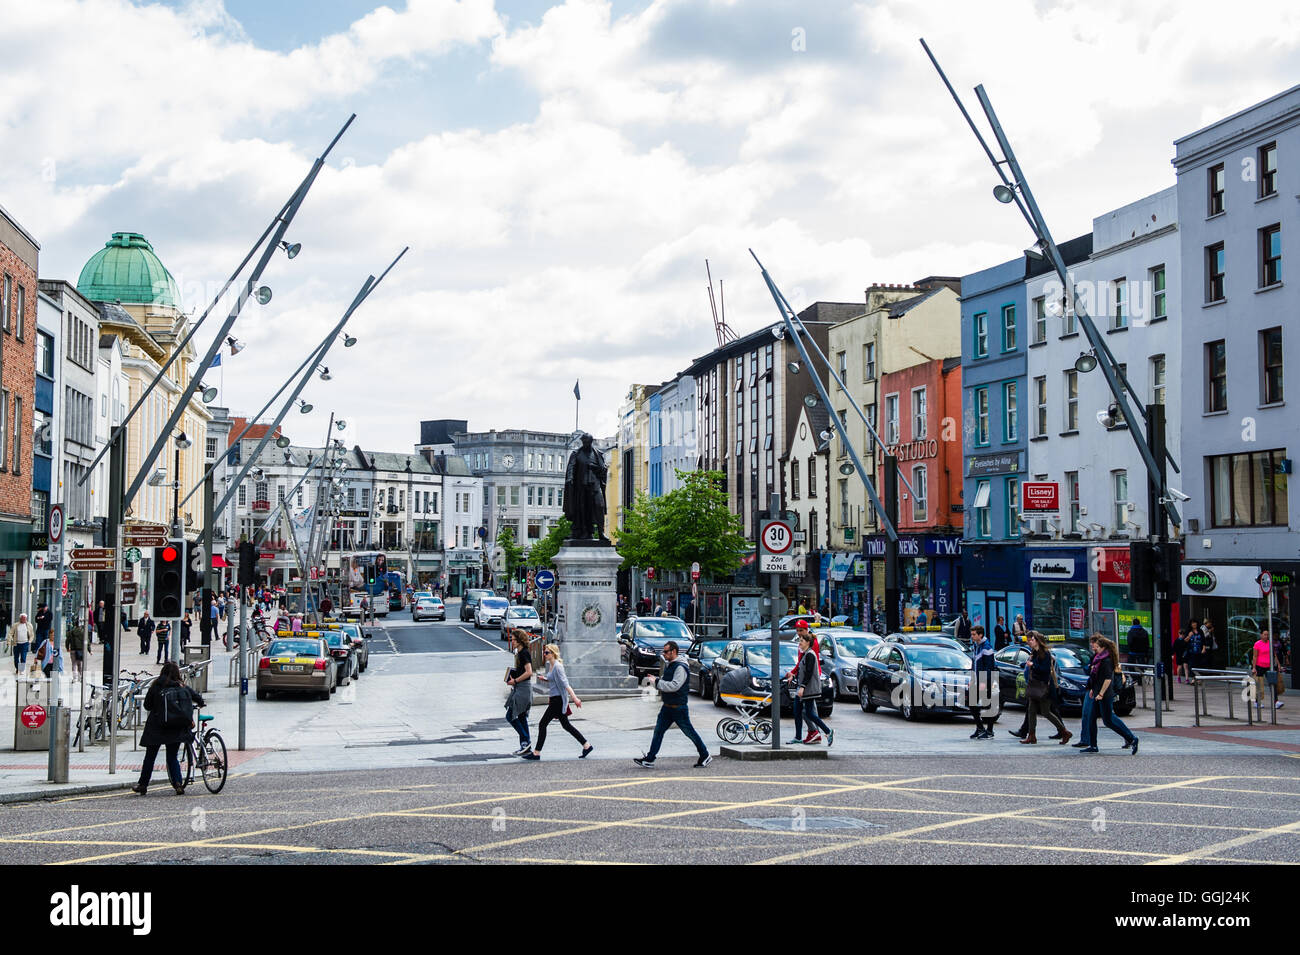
point(655, 453)
point(994, 339)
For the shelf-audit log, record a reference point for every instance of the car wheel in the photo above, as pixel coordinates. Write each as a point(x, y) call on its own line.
point(333, 688)
point(323, 695)
point(1123, 711)
point(864, 698)
point(261, 693)
point(908, 710)
point(717, 694)
point(835, 688)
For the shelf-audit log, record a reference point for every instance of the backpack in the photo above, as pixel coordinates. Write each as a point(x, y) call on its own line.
point(178, 708)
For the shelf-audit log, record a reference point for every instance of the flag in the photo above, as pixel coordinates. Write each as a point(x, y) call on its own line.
point(216, 362)
point(576, 393)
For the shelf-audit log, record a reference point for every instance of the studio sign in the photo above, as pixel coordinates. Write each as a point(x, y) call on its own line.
point(1201, 580)
point(916, 450)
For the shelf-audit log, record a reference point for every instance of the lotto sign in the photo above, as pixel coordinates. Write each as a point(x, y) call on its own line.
point(1040, 496)
point(778, 537)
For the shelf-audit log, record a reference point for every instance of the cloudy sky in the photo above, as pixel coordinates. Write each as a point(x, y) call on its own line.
point(561, 172)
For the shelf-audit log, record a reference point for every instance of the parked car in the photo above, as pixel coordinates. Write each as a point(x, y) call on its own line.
point(915, 678)
point(490, 612)
point(1072, 663)
point(428, 608)
point(744, 667)
point(470, 601)
point(933, 639)
point(360, 643)
point(644, 642)
point(298, 664)
point(699, 658)
point(842, 651)
point(522, 617)
point(340, 647)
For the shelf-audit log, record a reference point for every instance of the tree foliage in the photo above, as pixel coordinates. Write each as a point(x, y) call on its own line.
point(542, 554)
point(514, 554)
point(691, 523)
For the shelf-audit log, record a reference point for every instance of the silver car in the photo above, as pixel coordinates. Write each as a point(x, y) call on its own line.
point(521, 617)
point(490, 612)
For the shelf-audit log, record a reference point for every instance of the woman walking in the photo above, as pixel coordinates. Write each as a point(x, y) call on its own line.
point(1042, 689)
point(159, 701)
point(557, 703)
point(1098, 699)
point(808, 688)
point(1182, 644)
point(520, 679)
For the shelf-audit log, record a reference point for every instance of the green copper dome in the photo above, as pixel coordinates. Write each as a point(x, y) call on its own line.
point(128, 270)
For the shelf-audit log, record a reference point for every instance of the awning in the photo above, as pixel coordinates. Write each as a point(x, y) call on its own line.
point(219, 562)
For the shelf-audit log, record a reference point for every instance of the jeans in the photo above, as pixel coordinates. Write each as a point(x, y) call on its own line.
point(1088, 721)
point(521, 727)
point(173, 764)
point(555, 711)
point(808, 706)
point(164, 648)
point(681, 715)
point(20, 654)
point(1105, 709)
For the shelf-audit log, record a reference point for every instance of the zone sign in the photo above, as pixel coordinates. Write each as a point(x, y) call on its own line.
point(778, 537)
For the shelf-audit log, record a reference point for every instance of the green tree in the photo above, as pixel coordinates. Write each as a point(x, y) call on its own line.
point(513, 552)
point(691, 523)
point(542, 554)
point(637, 540)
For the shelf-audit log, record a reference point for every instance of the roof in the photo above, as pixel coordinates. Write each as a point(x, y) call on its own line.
point(127, 269)
point(1072, 251)
point(255, 432)
point(390, 461)
point(899, 309)
point(440, 431)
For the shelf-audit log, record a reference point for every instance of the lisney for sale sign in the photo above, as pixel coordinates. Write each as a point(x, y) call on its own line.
point(1040, 496)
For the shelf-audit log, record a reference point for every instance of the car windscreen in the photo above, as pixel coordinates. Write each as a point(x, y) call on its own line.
point(335, 638)
point(711, 648)
point(494, 603)
point(855, 646)
point(663, 629)
point(763, 655)
point(294, 648)
point(523, 612)
point(352, 630)
point(936, 658)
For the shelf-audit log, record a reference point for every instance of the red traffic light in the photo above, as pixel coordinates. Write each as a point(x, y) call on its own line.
point(169, 554)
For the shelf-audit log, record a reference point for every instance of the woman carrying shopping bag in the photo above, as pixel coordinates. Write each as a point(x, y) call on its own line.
point(520, 680)
point(557, 704)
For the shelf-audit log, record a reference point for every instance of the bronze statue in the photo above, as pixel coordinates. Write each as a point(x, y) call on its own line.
point(584, 491)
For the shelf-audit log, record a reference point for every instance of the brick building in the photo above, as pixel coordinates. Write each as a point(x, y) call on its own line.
point(19, 254)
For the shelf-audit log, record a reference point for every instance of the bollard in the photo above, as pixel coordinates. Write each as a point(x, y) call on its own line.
point(58, 768)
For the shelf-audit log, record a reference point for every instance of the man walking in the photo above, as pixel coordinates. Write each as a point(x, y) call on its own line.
point(672, 687)
point(982, 684)
point(145, 628)
point(1139, 643)
point(44, 620)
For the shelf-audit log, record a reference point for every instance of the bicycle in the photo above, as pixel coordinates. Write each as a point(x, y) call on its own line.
point(758, 729)
point(209, 758)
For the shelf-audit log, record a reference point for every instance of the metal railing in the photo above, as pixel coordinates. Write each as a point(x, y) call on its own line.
point(1231, 680)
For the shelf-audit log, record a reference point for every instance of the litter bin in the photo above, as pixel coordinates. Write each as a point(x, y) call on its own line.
point(197, 654)
point(58, 724)
point(32, 715)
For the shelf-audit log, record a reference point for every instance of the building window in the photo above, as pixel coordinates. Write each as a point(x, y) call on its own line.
point(844, 504)
point(1270, 256)
point(1119, 318)
point(1157, 379)
point(1248, 490)
point(45, 354)
point(1270, 358)
point(1013, 507)
point(1215, 182)
point(980, 508)
point(550, 497)
point(5, 301)
point(43, 427)
point(1040, 320)
point(18, 434)
point(501, 495)
point(812, 531)
point(242, 497)
point(920, 493)
point(1072, 498)
point(1214, 266)
point(1216, 377)
point(981, 416)
point(1268, 170)
point(1010, 412)
point(1071, 400)
point(1040, 406)
point(1068, 320)
point(1008, 328)
point(981, 335)
point(514, 495)
point(209, 448)
point(794, 480)
point(842, 362)
point(869, 361)
point(1159, 307)
point(891, 420)
point(534, 528)
point(918, 413)
point(1119, 490)
point(812, 477)
point(20, 311)
point(530, 495)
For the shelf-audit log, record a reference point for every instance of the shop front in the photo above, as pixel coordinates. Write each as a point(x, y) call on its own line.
point(1115, 606)
point(1058, 582)
point(15, 559)
point(844, 579)
point(994, 575)
point(930, 575)
point(1229, 597)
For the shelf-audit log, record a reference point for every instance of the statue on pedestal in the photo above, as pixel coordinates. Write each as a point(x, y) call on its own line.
point(584, 492)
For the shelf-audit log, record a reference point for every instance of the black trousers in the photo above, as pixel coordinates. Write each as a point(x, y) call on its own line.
point(555, 711)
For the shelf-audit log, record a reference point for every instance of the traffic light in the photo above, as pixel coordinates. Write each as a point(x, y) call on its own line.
point(1155, 566)
point(248, 556)
point(1141, 572)
point(194, 576)
point(169, 580)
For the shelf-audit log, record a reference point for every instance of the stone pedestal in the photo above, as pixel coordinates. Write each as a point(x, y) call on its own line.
point(586, 598)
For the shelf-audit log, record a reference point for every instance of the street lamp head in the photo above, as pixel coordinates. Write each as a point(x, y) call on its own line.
point(257, 473)
point(209, 394)
point(1003, 193)
point(283, 441)
point(810, 401)
point(778, 332)
point(1086, 362)
point(349, 341)
point(182, 441)
point(304, 407)
point(341, 424)
point(263, 294)
point(291, 251)
point(236, 346)
point(846, 468)
point(793, 367)
point(325, 373)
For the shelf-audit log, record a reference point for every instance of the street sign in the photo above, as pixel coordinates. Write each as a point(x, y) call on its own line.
point(778, 536)
point(1265, 583)
point(93, 558)
point(145, 539)
point(127, 575)
point(1040, 496)
point(128, 593)
point(56, 523)
point(650, 573)
point(545, 579)
point(775, 563)
point(695, 570)
point(133, 555)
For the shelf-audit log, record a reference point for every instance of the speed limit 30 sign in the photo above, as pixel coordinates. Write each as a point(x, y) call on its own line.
point(776, 537)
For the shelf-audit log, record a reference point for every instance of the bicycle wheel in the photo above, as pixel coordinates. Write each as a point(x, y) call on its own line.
point(214, 762)
point(187, 762)
point(761, 731)
point(731, 730)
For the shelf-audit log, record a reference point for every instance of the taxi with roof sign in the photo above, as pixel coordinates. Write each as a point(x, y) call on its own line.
point(298, 662)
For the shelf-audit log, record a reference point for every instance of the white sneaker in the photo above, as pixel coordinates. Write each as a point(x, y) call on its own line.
point(1278, 705)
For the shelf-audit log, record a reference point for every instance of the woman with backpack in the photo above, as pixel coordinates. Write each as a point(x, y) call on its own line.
point(1041, 685)
point(170, 704)
point(557, 703)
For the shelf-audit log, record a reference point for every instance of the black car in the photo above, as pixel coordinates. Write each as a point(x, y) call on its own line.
point(744, 668)
point(469, 603)
point(1072, 663)
point(842, 651)
point(933, 639)
point(340, 647)
point(700, 659)
point(915, 678)
point(643, 642)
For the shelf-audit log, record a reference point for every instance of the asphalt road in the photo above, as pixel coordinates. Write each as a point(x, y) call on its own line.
point(978, 809)
point(399, 634)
